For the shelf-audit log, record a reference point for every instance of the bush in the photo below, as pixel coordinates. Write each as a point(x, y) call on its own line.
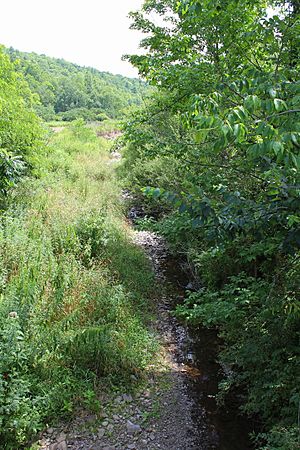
point(87, 114)
point(46, 113)
point(258, 322)
point(20, 130)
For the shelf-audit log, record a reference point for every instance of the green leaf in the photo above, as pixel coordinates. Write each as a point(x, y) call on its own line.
point(252, 103)
point(280, 105)
point(239, 131)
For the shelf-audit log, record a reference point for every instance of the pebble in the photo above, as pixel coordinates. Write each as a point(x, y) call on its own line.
point(127, 398)
point(62, 446)
point(101, 433)
point(133, 428)
point(59, 446)
point(61, 437)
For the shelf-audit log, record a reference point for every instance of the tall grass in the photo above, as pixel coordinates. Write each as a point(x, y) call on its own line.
point(73, 287)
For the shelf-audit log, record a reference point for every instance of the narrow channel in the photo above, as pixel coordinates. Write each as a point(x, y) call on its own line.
point(196, 354)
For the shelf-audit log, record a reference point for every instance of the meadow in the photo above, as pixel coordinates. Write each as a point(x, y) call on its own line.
point(72, 287)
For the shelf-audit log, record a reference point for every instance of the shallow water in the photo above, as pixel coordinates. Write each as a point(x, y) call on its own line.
point(195, 352)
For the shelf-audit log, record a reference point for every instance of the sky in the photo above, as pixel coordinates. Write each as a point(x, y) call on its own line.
point(87, 32)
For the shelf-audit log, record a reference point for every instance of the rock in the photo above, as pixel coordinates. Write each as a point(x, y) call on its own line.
point(132, 428)
point(127, 398)
point(59, 446)
point(61, 437)
point(115, 417)
point(132, 447)
point(53, 446)
point(50, 430)
point(152, 436)
point(101, 433)
point(118, 400)
point(133, 377)
point(62, 446)
point(91, 419)
point(105, 423)
point(190, 287)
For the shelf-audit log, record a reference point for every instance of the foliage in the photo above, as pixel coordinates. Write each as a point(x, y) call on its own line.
point(72, 288)
point(73, 91)
point(88, 115)
point(227, 113)
point(20, 130)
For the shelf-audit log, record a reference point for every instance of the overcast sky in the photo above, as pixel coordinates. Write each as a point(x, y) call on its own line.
point(87, 32)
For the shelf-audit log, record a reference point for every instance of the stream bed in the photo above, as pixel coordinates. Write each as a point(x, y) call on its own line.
point(194, 353)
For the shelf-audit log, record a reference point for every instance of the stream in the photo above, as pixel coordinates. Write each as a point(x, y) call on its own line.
point(176, 408)
point(195, 354)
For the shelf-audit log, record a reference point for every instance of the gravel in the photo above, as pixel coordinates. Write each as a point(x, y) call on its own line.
point(159, 417)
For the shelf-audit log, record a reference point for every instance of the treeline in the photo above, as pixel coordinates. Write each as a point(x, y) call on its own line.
point(216, 153)
point(67, 91)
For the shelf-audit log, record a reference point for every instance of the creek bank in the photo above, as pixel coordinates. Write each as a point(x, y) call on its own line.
point(194, 354)
point(175, 408)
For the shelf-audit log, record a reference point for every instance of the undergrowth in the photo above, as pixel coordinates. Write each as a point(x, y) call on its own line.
point(72, 287)
point(248, 292)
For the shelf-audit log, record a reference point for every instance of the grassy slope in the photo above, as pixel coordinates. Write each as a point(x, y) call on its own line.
point(72, 287)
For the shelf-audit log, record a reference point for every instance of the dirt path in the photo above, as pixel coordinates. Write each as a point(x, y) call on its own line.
point(175, 409)
point(157, 417)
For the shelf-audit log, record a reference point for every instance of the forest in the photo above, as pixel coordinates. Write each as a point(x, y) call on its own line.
point(208, 148)
point(66, 91)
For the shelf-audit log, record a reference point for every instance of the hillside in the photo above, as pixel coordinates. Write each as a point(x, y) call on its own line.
point(68, 91)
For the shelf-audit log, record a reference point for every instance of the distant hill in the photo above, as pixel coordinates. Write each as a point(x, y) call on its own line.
point(68, 91)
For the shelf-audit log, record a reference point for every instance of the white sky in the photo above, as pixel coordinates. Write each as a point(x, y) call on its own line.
point(87, 32)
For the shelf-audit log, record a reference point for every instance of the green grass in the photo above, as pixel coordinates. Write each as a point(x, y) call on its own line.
point(73, 287)
point(107, 126)
point(57, 123)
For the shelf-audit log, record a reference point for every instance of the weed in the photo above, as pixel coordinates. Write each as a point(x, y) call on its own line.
point(72, 288)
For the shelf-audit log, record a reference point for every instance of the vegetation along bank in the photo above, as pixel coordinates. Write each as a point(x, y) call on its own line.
point(211, 158)
point(214, 159)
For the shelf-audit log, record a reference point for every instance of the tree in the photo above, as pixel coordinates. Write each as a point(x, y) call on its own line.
point(228, 112)
point(20, 130)
point(62, 86)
